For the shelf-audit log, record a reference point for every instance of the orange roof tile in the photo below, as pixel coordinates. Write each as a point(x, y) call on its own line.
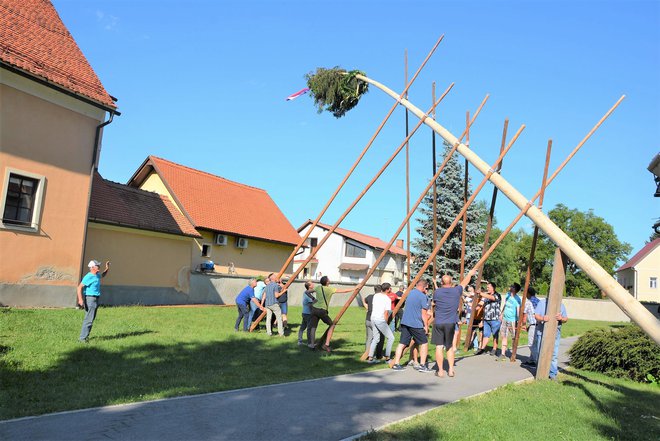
point(119, 204)
point(218, 204)
point(34, 40)
point(371, 241)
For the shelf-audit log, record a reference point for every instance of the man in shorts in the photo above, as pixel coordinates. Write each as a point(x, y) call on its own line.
point(509, 317)
point(447, 300)
point(492, 301)
point(414, 326)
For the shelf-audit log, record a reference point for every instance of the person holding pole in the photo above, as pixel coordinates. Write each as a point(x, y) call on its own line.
point(380, 311)
point(530, 306)
point(324, 293)
point(91, 284)
point(307, 302)
point(492, 323)
point(509, 317)
point(244, 300)
point(447, 300)
point(272, 293)
point(415, 326)
point(542, 315)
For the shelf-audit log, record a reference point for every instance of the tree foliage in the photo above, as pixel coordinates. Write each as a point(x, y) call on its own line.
point(449, 202)
point(594, 235)
point(335, 89)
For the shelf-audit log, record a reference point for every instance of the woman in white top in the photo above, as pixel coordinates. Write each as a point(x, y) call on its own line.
point(381, 308)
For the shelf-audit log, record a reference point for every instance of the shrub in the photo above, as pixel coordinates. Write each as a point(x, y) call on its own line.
point(623, 353)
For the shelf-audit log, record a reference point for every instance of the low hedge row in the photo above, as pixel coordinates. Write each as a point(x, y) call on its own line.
point(626, 352)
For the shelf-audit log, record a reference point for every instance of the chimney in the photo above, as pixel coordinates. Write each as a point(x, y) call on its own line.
point(399, 243)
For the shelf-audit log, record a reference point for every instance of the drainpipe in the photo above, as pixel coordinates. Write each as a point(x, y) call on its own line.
point(94, 168)
point(635, 282)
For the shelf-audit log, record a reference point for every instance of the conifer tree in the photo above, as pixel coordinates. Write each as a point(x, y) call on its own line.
point(449, 202)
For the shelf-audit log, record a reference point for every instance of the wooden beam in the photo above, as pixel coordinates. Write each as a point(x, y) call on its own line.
point(553, 306)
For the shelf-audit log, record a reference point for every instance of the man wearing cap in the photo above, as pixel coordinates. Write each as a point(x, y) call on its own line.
point(91, 284)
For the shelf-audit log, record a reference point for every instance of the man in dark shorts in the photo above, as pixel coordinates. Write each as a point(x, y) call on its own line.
point(447, 300)
point(414, 326)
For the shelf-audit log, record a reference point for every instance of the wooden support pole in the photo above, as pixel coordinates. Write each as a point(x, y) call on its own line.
point(357, 199)
point(530, 262)
point(408, 257)
point(553, 306)
point(435, 193)
point(465, 197)
point(617, 293)
point(489, 225)
point(355, 164)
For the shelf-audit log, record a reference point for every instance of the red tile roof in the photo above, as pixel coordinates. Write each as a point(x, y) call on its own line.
point(118, 204)
point(634, 260)
point(218, 204)
point(34, 40)
point(371, 241)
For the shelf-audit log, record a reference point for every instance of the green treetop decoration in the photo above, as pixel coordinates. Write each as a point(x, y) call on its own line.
point(336, 90)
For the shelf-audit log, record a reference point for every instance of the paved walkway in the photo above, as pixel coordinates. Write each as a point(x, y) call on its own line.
point(326, 409)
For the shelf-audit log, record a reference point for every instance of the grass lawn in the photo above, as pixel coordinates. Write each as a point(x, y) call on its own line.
point(140, 353)
point(580, 406)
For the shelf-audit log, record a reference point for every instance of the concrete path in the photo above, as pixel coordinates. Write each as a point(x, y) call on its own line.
point(326, 409)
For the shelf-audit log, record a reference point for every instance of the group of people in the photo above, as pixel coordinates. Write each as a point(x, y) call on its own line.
point(442, 311)
point(447, 308)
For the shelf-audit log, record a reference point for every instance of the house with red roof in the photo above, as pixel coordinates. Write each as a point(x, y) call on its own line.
point(641, 274)
point(53, 109)
point(147, 238)
point(348, 255)
point(242, 230)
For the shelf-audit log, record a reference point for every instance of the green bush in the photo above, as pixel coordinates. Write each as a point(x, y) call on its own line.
point(623, 353)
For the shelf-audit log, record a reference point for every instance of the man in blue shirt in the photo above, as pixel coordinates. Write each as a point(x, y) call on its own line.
point(447, 300)
point(542, 315)
point(91, 285)
point(272, 293)
point(414, 326)
point(243, 301)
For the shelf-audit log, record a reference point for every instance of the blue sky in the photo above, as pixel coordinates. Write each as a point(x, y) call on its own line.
point(202, 83)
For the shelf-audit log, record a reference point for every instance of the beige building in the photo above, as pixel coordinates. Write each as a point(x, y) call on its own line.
point(641, 274)
point(146, 238)
point(243, 232)
point(52, 112)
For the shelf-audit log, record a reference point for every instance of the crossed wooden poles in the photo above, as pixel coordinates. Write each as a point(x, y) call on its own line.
point(591, 268)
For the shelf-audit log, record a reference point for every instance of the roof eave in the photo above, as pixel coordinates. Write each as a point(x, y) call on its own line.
point(44, 81)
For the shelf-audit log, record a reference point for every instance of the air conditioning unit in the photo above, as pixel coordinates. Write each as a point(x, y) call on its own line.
point(241, 242)
point(220, 239)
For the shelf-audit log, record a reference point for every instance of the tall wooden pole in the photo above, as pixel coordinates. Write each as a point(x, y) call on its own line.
point(619, 295)
point(553, 306)
point(530, 262)
point(435, 193)
point(408, 175)
point(465, 197)
point(355, 164)
point(489, 226)
point(357, 199)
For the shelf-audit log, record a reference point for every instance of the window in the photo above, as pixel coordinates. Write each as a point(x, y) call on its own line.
point(206, 250)
point(653, 282)
point(355, 251)
point(313, 243)
point(21, 199)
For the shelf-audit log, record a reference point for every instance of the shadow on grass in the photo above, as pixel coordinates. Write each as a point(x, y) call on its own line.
point(632, 410)
point(116, 369)
point(121, 335)
point(412, 433)
point(99, 374)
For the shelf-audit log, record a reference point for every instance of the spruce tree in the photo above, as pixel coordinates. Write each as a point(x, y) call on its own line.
point(449, 202)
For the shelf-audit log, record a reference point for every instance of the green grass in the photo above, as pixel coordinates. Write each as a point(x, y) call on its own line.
point(580, 406)
point(140, 353)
